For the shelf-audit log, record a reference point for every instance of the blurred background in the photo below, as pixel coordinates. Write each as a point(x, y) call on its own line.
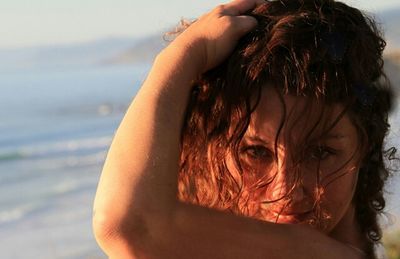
point(68, 70)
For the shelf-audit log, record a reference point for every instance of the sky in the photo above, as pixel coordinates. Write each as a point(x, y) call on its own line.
point(25, 23)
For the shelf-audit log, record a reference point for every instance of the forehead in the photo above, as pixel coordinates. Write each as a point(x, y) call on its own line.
point(298, 117)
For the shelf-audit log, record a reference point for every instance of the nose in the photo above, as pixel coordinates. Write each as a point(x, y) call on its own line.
point(289, 182)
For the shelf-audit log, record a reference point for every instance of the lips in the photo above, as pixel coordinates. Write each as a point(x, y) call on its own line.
point(287, 212)
point(291, 213)
point(291, 217)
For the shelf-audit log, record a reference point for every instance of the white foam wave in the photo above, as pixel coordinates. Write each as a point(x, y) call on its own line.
point(17, 213)
point(65, 187)
point(48, 148)
point(69, 145)
point(55, 164)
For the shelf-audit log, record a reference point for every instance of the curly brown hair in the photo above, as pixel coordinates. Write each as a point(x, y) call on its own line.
point(322, 49)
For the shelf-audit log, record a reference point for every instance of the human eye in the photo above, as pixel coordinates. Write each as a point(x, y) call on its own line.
point(322, 152)
point(257, 152)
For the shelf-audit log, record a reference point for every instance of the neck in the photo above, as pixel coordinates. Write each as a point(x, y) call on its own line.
point(348, 231)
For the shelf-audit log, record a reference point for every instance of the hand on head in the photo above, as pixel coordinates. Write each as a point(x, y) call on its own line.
point(212, 37)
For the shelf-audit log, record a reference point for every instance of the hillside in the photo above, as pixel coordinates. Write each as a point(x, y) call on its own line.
point(114, 51)
point(62, 56)
point(390, 20)
point(143, 51)
point(147, 48)
point(392, 69)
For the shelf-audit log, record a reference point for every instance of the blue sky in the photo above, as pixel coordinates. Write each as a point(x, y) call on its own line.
point(48, 22)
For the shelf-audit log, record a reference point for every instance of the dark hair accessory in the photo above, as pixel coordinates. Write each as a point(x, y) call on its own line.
point(335, 46)
point(364, 94)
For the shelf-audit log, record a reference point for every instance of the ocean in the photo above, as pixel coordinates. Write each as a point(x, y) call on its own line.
point(55, 128)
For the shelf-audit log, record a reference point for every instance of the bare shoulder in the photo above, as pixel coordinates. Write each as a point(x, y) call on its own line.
point(197, 232)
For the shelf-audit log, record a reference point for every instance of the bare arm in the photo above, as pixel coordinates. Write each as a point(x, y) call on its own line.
point(136, 212)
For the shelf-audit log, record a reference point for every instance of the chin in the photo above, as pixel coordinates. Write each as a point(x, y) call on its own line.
point(307, 219)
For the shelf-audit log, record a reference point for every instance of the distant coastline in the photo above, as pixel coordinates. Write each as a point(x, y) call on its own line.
point(116, 51)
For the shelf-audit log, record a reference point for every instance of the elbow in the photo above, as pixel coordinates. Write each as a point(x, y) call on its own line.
point(103, 227)
point(106, 233)
point(106, 226)
point(119, 239)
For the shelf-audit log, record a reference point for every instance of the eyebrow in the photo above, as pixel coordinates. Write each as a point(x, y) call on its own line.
point(334, 136)
point(256, 138)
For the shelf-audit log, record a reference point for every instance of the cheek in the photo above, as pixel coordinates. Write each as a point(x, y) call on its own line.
point(233, 169)
point(257, 172)
point(338, 196)
point(341, 184)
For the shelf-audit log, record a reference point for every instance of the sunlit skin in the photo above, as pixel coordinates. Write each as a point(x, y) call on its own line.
point(334, 153)
point(136, 211)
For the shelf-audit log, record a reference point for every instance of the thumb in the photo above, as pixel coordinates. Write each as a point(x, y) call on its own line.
point(244, 24)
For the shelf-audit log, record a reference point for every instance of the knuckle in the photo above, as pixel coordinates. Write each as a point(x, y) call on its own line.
point(220, 8)
point(202, 17)
point(227, 21)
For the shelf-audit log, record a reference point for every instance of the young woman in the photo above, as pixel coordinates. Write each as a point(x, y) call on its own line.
point(258, 133)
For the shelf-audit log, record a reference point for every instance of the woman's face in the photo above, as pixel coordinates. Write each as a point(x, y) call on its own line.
point(306, 175)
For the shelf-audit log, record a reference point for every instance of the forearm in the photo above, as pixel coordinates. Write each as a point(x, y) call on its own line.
point(139, 182)
point(136, 211)
point(140, 172)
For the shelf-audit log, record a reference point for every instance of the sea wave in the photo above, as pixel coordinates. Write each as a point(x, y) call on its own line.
point(54, 164)
point(9, 156)
point(56, 148)
point(17, 213)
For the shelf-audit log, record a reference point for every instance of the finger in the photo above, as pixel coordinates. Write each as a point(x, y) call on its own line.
point(244, 24)
point(238, 7)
